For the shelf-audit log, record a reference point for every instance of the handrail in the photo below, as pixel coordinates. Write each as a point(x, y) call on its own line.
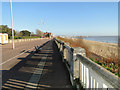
point(89, 74)
point(101, 77)
point(67, 56)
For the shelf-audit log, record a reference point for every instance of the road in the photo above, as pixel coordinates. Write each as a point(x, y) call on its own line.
point(9, 57)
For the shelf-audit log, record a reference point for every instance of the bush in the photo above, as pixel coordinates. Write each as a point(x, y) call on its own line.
point(24, 37)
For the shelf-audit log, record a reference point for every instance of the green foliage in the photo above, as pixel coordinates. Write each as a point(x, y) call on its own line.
point(110, 69)
point(27, 37)
point(6, 29)
point(96, 61)
point(117, 74)
point(112, 66)
point(25, 33)
point(24, 37)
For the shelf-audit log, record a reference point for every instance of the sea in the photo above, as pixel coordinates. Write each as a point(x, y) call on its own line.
point(106, 39)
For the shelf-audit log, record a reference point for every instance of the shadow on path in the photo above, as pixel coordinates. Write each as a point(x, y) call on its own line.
point(42, 70)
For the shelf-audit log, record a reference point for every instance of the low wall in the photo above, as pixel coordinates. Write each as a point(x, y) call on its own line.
point(23, 40)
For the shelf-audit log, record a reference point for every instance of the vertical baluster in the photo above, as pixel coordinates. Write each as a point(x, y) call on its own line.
point(91, 82)
point(87, 78)
point(84, 75)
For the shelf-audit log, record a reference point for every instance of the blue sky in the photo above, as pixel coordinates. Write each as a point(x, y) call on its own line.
point(64, 18)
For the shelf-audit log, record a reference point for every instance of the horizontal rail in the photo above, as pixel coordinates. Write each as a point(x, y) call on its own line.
point(95, 76)
point(88, 73)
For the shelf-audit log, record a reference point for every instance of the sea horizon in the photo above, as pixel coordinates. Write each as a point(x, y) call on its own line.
point(106, 39)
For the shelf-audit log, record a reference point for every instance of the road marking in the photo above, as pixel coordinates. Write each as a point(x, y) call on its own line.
point(36, 77)
point(15, 56)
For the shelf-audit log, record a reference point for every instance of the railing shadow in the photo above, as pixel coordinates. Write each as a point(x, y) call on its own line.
point(18, 77)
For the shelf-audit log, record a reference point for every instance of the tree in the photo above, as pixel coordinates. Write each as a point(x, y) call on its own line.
point(25, 33)
point(6, 29)
point(39, 32)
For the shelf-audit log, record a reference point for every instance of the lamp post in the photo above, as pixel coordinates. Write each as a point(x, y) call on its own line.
point(12, 24)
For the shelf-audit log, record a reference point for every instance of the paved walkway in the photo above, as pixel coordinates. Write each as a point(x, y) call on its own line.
point(42, 70)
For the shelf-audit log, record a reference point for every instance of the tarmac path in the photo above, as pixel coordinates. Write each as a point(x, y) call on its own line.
point(31, 70)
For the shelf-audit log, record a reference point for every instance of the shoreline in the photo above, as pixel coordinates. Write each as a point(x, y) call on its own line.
point(106, 39)
point(100, 41)
point(112, 44)
point(105, 54)
point(107, 50)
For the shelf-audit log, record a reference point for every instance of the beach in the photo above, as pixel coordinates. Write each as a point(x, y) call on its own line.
point(106, 39)
point(95, 49)
point(107, 50)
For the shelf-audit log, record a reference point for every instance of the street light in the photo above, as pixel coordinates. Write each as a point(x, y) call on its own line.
point(12, 24)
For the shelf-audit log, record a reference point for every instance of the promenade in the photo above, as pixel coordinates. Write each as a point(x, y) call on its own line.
point(31, 70)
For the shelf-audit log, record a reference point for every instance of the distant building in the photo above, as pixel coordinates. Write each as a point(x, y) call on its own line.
point(3, 38)
point(49, 35)
point(34, 35)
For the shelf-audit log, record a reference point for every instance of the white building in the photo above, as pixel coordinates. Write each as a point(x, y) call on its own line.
point(3, 38)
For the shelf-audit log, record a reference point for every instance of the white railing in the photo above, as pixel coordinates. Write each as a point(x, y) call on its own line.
point(67, 56)
point(89, 74)
point(92, 75)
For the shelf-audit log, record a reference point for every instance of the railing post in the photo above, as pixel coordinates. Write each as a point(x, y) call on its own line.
point(72, 65)
point(60, 46)
point(63, 47)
